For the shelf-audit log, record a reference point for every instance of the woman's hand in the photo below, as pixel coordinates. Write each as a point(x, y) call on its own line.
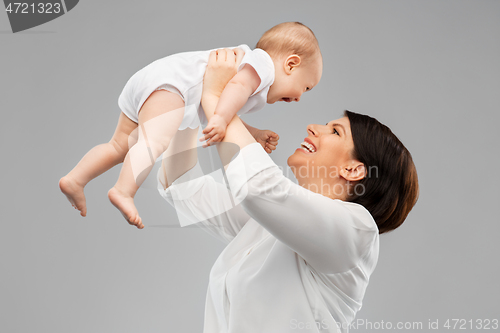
point(222, 66)
point(268, 139)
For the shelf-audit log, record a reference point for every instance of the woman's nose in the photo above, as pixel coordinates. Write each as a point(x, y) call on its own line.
point(311, 129)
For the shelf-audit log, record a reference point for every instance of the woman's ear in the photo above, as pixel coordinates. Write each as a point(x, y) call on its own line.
point(291, 62)
point(354, 171)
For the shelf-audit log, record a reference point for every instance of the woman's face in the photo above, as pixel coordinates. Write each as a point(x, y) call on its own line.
point(324, 153)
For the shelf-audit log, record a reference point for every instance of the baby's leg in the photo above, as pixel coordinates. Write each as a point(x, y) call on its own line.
point(98, 160)
point(159, 120)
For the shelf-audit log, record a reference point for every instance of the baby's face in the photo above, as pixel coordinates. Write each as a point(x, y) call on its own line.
point(289, 85)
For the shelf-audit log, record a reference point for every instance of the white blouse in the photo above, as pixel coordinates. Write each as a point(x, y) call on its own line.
point(294, 261)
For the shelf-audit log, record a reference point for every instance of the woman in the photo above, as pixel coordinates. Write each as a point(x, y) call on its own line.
point(299, 257)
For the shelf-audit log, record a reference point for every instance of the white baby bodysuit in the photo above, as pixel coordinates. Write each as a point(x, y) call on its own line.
point(182, 73)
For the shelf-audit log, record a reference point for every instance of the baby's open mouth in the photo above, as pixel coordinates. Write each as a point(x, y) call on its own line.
point(286, 99)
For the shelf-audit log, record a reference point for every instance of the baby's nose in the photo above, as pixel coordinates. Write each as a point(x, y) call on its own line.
point(297, 99)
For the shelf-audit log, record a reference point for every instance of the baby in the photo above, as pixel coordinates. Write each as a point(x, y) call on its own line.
point(165, 97)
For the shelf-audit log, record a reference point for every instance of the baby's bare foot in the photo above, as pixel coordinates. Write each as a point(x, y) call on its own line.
point(126, 206)
point(74, 192)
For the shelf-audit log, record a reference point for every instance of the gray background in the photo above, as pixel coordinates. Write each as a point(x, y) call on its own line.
point(427, 69)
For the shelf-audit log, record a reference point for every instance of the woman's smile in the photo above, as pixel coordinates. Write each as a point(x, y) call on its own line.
point(308, 146)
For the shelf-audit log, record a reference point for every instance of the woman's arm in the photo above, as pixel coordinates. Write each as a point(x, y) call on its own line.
point(233, 98)
point(330, 235)
point(181, 154)
point(250, 129)
point(237, 92)
point(221, 68)
point(198, 198)
point(179, 157)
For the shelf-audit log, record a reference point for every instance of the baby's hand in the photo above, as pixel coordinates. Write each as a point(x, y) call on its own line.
point(268, 139)
point(215, 130)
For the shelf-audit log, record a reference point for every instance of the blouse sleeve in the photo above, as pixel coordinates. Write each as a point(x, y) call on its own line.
point(262, 63)
point(333, 236)
point(201, 199)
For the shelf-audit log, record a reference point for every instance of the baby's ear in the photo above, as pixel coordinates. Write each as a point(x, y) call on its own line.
point(291, 62)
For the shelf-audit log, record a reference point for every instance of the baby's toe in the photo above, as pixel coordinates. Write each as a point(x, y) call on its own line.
point(134, 219)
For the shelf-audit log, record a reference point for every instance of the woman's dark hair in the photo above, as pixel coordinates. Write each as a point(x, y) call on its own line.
point(390, 188)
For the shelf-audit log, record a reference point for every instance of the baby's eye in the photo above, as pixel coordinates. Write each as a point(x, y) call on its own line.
point(335, 131)
point(307, 89)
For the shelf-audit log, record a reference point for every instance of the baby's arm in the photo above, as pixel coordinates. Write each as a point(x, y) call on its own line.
point(268, 139)
point(234, 96)
point(251, 129)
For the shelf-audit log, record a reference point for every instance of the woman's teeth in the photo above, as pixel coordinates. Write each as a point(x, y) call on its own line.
point(309, 147)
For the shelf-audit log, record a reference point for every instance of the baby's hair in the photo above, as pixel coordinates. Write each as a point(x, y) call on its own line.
point(289, 38)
